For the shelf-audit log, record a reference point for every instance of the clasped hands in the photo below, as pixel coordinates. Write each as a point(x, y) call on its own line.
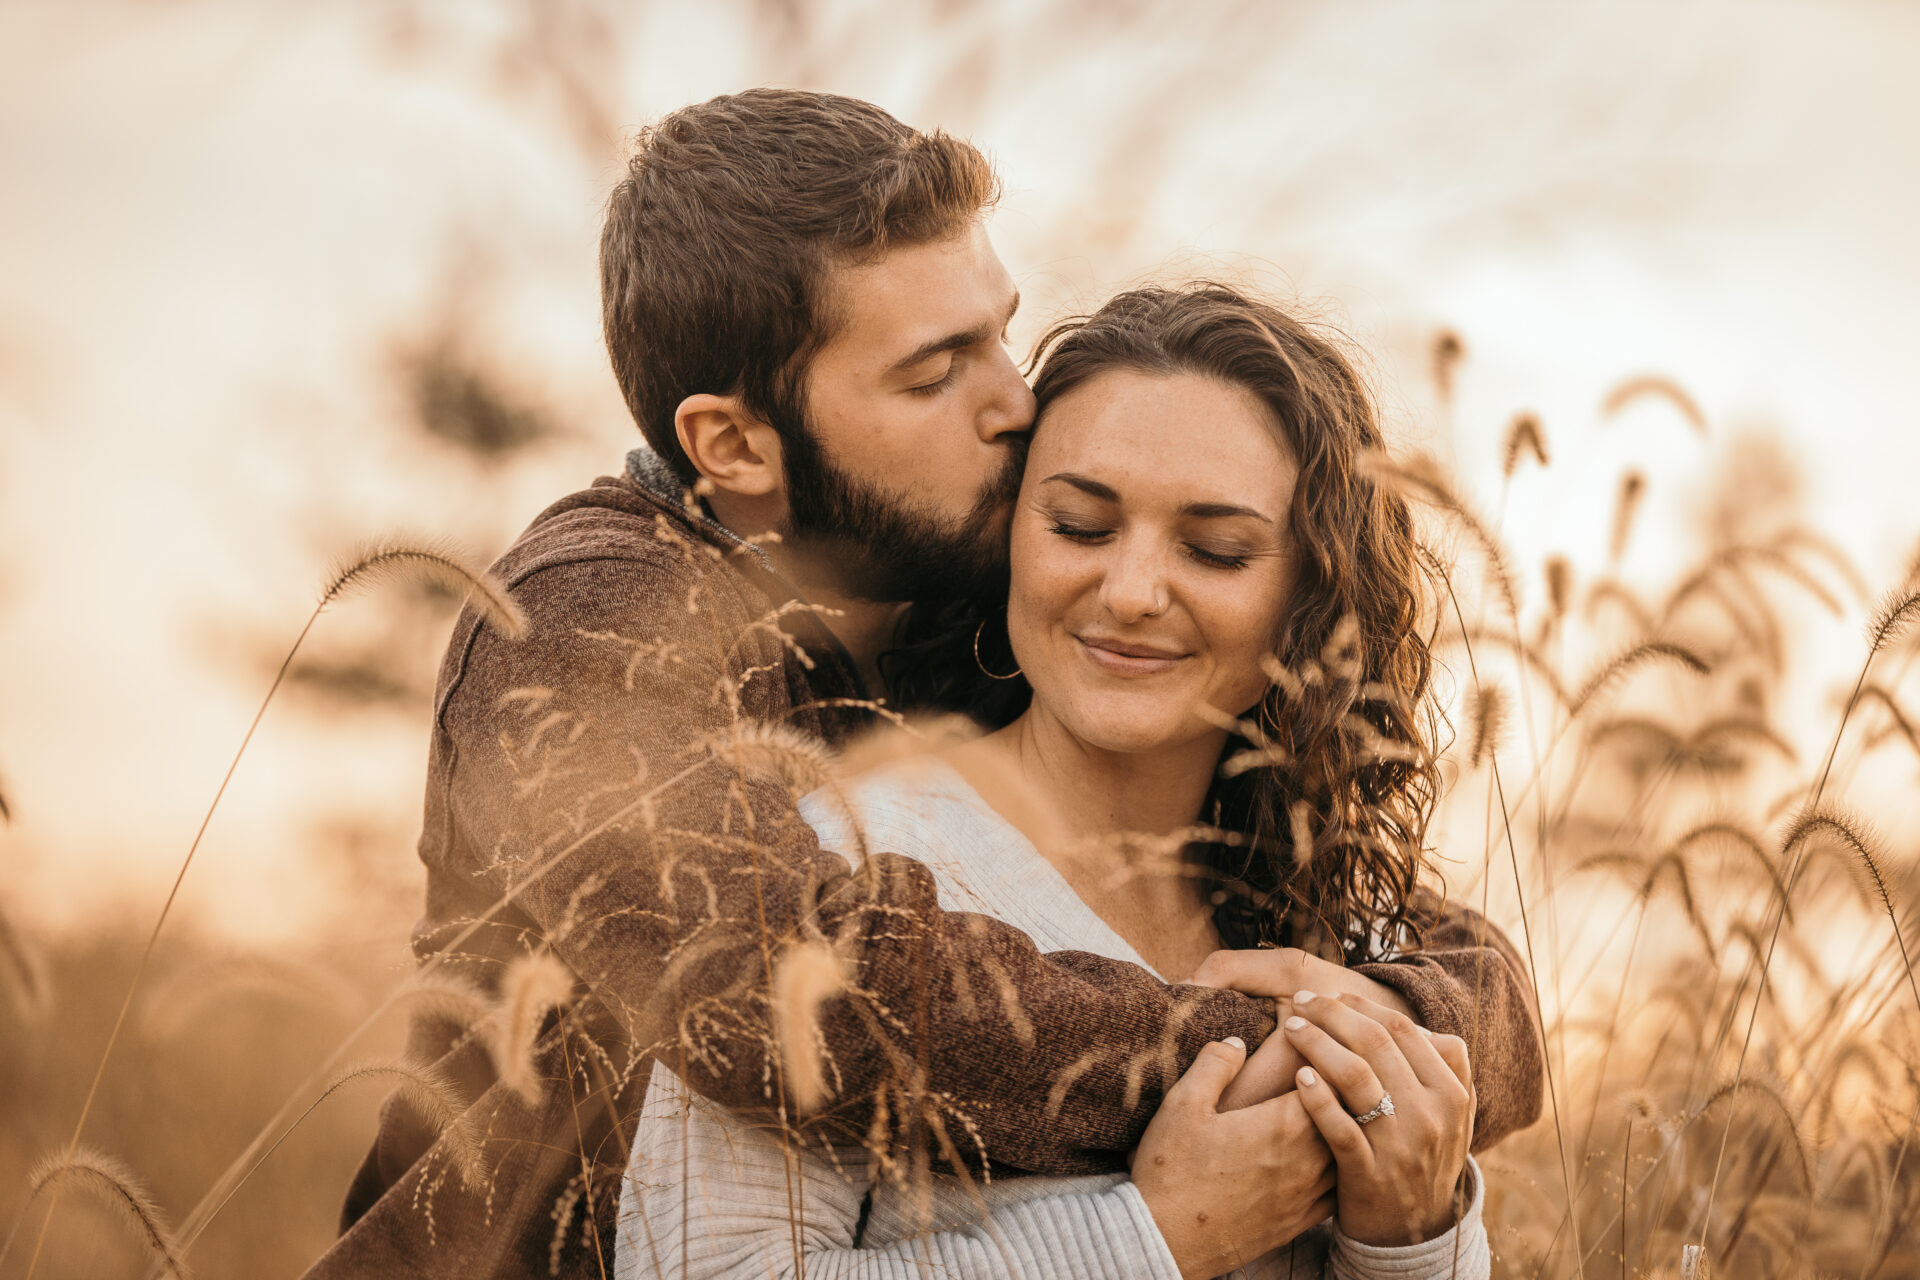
point(1245, 1152)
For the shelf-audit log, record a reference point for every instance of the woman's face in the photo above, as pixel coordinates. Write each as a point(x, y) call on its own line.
point(1150, 556)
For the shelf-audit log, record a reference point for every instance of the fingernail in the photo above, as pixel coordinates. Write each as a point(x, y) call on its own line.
point(1294, 1024)
point(1236, 1042)
point(1307, 1078)
point(1425, 1032)
point(1303, 997)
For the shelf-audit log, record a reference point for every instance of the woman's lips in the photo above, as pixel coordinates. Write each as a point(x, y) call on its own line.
point(1123, 658)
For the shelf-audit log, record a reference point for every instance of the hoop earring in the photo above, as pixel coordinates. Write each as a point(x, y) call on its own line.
point(983, 666)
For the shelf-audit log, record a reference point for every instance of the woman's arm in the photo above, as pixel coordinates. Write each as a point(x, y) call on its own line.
point(1395, 1105)
point(709, 1197)
point(1461, 1253)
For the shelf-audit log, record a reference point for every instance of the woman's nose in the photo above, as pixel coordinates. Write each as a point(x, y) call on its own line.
point(1135, 585)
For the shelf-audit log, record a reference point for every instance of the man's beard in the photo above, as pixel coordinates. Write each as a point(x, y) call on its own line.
point(885, 551)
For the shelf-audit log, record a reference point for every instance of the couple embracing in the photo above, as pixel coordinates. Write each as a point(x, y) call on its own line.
point(1144, 980)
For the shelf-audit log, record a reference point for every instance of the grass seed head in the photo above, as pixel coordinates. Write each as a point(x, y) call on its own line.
point(111, 1183)
point(1487, 710)
point(776, 752)
point(1633, 487)
point(1559, 585)
point(1448, 350)
point(533, 984)
point(1523, 437)
point(430, 562)
point(807, 975)
point(1654, 386)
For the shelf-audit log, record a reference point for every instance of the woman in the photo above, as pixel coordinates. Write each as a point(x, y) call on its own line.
point(1214, 611)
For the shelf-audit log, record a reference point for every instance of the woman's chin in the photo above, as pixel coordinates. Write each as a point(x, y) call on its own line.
point(1138, 734)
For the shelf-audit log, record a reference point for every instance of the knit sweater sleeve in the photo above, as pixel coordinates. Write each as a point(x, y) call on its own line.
point(622, 781)
point(1466, 979)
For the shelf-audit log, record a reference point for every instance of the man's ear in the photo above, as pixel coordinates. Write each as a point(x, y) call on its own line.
point(729, 446)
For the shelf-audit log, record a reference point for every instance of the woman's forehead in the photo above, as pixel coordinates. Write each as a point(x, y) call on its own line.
point(1146, 435)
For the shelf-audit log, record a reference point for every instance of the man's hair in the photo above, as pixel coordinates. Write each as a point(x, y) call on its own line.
point(719, 240)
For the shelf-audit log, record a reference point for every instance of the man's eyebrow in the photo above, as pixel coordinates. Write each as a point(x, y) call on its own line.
point(1203, 510)
point(955, 341)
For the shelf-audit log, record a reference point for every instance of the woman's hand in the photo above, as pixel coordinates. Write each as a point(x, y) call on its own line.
point(1224, 1189)
point(1397, 1172)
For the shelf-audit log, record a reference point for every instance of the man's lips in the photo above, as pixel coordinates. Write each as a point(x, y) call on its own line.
point(1130, 657)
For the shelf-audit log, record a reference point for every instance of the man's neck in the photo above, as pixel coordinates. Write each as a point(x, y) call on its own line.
point(863, 628)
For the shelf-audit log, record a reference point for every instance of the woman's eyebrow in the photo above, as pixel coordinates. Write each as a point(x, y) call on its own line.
point(1203, 510)
point(1220, 510)
point(1091, 487)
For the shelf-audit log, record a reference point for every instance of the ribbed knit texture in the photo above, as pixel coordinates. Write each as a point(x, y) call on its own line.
point(709, 1195)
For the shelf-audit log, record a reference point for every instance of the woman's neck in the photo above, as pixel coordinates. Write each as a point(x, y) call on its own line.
point(1099, 794)
point(1097, 816)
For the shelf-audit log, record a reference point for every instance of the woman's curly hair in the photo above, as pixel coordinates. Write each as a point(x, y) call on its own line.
point(1326, 785)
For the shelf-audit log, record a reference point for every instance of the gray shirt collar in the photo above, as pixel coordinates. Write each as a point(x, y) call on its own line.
point(651, 472)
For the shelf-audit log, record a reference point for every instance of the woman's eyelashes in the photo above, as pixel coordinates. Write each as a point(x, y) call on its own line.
point(1218, 559)
point(1094, 535)
point(1085, 534)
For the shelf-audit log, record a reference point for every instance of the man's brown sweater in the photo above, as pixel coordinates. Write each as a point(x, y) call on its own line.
point(607, 790)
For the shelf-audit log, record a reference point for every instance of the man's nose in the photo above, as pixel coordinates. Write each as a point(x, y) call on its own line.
point(1010, 410)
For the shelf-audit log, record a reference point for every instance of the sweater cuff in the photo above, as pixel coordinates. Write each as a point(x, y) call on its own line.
point(1461, 1252)
point(1155, 1259)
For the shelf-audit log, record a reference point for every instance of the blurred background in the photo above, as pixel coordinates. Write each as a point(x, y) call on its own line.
point(279, 279)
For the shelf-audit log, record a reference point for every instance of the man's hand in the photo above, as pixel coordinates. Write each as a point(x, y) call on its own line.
point(1278, 972)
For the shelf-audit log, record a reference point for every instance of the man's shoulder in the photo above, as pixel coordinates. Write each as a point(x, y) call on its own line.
point(612, 520)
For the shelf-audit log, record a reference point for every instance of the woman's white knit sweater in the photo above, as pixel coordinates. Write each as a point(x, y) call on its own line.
point(707, 1195)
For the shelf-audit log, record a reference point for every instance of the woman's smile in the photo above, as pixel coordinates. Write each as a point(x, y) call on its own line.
point(1130, 658)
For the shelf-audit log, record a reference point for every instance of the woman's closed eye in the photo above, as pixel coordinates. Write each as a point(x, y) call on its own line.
point(1219, 559)
point(1094, 535)
point(1083, 533)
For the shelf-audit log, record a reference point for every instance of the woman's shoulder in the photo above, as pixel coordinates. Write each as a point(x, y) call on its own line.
point(915, 806)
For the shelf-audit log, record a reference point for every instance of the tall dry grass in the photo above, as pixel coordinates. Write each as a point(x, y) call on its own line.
point(1721, 940)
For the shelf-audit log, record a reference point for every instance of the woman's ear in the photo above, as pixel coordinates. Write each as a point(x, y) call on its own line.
point(729, 446)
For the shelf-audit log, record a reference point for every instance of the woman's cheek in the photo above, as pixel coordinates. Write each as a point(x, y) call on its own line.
point(1241, 636)
point(1039, 598)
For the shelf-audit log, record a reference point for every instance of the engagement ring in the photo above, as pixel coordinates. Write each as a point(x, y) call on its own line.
point(1384, 1107)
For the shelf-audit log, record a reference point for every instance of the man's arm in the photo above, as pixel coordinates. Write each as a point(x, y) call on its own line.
point(611, 775)
point(1465, 979)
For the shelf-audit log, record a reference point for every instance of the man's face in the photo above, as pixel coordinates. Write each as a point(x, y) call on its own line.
point(907, 465)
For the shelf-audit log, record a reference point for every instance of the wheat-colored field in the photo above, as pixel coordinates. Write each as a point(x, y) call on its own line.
point(1719, 930)
point(1684, 725)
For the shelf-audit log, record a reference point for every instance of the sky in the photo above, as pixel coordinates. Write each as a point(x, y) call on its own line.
point(219, 219)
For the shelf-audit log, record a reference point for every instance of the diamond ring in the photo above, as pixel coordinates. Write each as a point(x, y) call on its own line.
point(1384, 1107)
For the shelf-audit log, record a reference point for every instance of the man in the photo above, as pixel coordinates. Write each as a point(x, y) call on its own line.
point(807, 319)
